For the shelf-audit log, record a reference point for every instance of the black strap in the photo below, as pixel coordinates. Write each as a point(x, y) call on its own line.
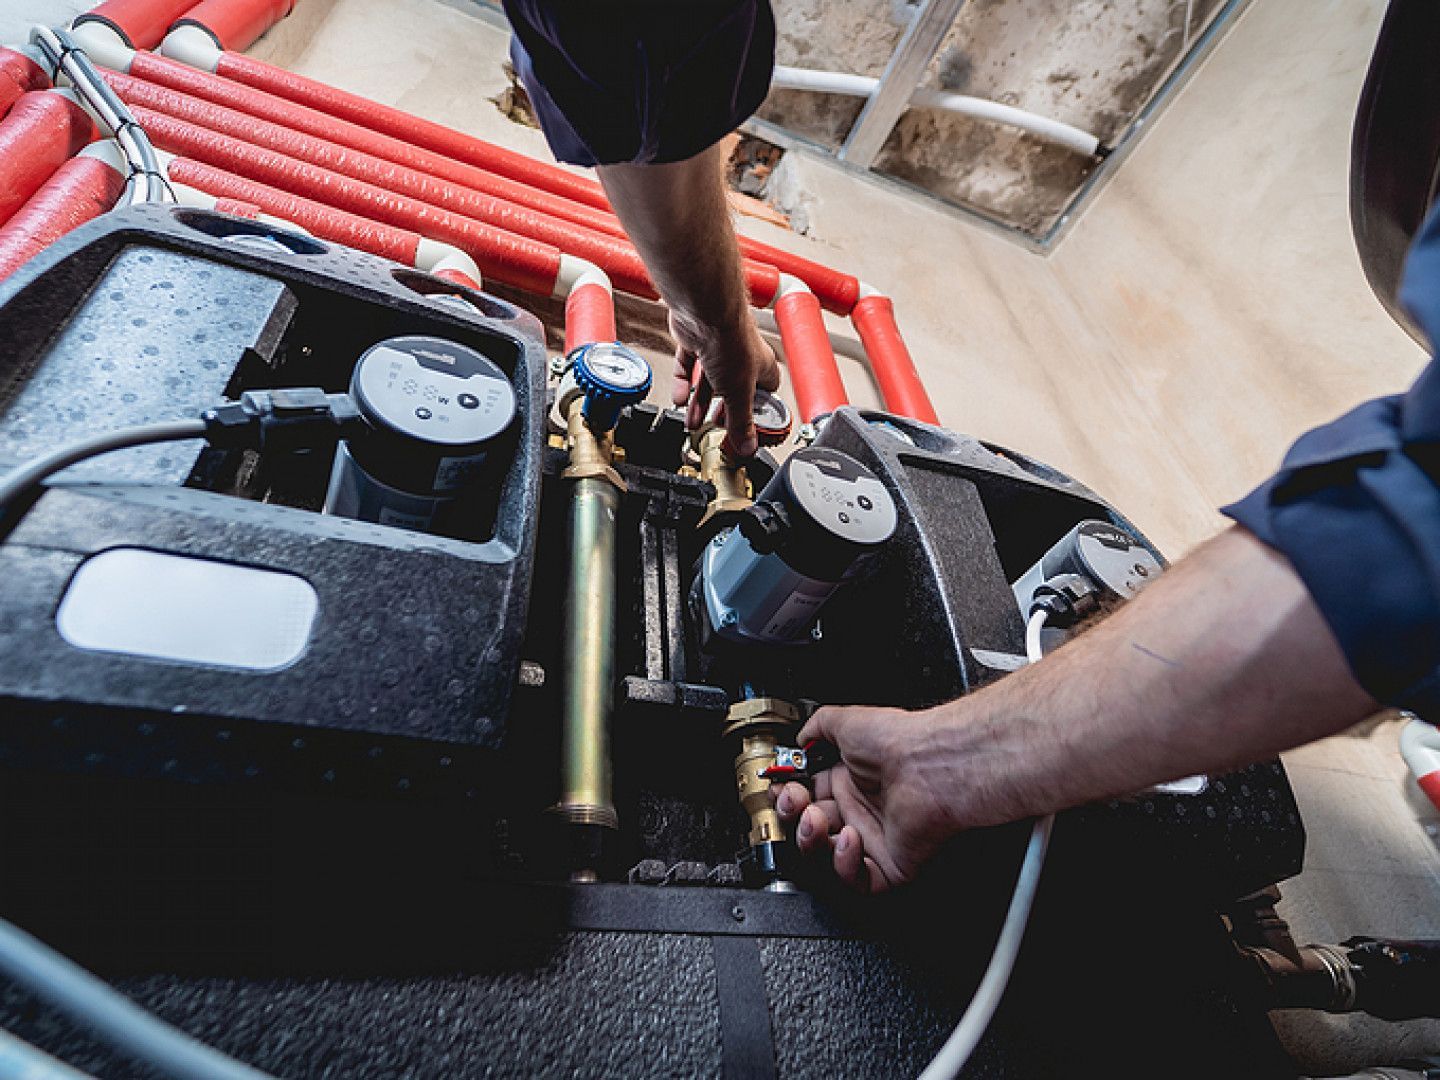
point(746, 1047)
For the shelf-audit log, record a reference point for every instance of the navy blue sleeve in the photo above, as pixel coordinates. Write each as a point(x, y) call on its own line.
point(645, 82)
point(1355, 508)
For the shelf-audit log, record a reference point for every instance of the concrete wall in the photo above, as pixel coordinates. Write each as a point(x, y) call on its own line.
point(1208, 307)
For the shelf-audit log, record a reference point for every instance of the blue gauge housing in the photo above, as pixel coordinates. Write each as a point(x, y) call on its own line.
point(611, 376)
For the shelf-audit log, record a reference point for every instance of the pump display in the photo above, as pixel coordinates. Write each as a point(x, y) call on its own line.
point(475, 696)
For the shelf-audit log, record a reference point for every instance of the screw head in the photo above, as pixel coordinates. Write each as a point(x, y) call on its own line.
point(737, 913)
point(559, 365)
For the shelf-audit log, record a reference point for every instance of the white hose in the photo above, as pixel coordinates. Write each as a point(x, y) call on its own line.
point(978, 1014)
point(89, 1001)
point(22, 478)
point(21, 1061)
point(1042, 127)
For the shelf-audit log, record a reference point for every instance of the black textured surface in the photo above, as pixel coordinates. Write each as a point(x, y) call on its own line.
point(648, 1008)
point(344, 869)
point(417, 637)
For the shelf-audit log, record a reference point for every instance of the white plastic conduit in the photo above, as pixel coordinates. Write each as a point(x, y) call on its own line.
point(834, 82)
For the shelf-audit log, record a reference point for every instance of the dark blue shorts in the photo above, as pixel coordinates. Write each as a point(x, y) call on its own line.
point(643, 82)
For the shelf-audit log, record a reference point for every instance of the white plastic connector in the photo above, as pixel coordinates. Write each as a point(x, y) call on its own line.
point(104, 46)
point(108, 151)
point(193, 46)
point(574, 272)
point(432, 256)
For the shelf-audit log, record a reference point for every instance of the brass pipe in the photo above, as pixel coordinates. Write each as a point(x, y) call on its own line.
point(723, 472)
point(588, 676)
point(761, 724)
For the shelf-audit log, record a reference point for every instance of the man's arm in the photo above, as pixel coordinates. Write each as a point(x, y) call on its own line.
point(1225, 660)
point(677, 216)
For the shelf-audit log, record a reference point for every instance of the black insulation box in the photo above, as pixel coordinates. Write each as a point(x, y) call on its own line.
point(343, 867)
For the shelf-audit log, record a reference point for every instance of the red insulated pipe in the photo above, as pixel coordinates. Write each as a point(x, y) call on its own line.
point(376, 123)
point(168, 74)
point(890, 360)
point(83, 188)
point(18, 75)
point(236, 24)
point(529, 266)
point(610, 250)
point(397, 245)
point(237, 208)
point(142, 23)
point(412, 129)
point(294, 162)
point(814, 375)
point(42, 131)
point(458, 277)
point(589, 315)
point(616, 257)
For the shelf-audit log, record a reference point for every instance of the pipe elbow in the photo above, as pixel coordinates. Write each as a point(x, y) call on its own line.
point(1420, 747)
point(446, 260)
point(575, 272)
point(104, 45)
point(192, 46)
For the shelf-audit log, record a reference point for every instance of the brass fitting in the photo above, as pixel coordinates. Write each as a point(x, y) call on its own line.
point(760, 724)
point(723, 472)
point(590, 454)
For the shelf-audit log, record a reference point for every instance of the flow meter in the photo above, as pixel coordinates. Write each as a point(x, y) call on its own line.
point(765, 580)
point(435, 408)
point(611, 376)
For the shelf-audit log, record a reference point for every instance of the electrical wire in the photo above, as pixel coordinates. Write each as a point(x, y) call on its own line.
point(19, 480)
point(978, 1014)
point(90, 1001)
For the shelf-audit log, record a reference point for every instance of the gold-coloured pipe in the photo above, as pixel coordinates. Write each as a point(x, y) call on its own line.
point(761, 725)
point(588, 677)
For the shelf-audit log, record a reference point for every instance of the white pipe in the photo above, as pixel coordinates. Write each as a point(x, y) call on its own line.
point(1420, 747)
point(1042, 127)
point(193, 46)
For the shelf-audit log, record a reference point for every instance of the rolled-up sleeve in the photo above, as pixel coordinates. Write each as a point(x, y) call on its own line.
point(1355, 508)
point(646, 83)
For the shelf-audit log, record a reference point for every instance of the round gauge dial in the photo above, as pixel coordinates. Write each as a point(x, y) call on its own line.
point(614, 365)
point(772, 418)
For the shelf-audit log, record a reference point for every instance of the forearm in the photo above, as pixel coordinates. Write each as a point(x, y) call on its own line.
point(678, 218)
point(1222, 662)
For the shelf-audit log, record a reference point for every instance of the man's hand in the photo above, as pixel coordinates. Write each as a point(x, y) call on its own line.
point(876, 812)
point(734, 361)
point(678, 218)
point(1224, 661)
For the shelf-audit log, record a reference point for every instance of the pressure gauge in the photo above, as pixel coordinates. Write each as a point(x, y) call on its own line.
point(772, 418)
point(434, 408)
point(611, 376)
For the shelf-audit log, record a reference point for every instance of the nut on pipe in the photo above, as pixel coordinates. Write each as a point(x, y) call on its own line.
point(760, 724)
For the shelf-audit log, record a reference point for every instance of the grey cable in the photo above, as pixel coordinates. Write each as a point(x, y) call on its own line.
point(978, 1014)
point(147, 181)
point(19, 480)
point(92, 1002)
point(21, 1061)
